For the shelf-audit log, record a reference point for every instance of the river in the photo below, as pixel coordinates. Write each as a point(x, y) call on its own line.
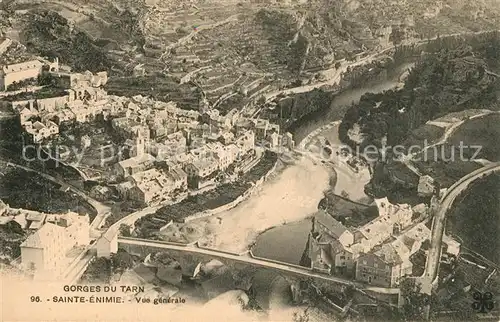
point(287, 242)
point(284, 243)
point(338, 107)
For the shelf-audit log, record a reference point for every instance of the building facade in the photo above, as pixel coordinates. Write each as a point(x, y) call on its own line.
point(11, 74)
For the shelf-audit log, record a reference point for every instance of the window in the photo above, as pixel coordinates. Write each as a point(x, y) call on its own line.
point(342, 257)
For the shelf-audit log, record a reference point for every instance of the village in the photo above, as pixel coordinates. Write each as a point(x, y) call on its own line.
point(380, 252)
point(154, 150)
point(153, 153)
point(177, 170)
point(54, 240)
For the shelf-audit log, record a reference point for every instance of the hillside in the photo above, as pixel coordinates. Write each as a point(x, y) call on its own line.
point(457, 77)
point(476, 218)
point(484, 132)
point(299, 36)
point(51, 35)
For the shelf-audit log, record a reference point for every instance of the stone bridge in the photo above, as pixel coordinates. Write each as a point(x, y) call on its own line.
point(190, 255)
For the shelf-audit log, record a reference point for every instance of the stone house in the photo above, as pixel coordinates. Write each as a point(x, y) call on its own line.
point(383, 267)
point(10, 74)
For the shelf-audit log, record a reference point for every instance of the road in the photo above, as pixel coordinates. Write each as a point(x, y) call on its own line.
point(129, 220)
point(450, 130)
point(79, 265)
point(101, 209)
point(407, 159)
point(438, 224)
point(74, 271)
point(248, 258)
point(337, 74)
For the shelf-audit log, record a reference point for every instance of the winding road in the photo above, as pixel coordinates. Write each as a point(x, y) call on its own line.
point(101, 209)
point(438, 224)
point(337, 75)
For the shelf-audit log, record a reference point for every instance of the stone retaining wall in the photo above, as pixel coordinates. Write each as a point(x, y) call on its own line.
point(234, 203)
point(279, 262)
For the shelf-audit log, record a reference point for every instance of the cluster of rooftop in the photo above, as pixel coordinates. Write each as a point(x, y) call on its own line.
point(73, 97)
point(377, 253)
point(197, 147)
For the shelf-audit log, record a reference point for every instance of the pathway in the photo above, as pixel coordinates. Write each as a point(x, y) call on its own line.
point(101, 209)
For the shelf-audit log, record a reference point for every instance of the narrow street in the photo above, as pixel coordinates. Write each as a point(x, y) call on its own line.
point(101, 209)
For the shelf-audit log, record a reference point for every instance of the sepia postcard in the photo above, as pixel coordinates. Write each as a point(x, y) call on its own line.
point(250, 160)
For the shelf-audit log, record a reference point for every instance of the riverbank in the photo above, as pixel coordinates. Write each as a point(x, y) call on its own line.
point(292, 193)
point(349, 183)
point(208, 203)
point(286, 242)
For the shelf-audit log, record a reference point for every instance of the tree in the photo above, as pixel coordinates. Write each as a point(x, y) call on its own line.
point(125, 230)
point(14, 227)
point(414, 301)
point(99, 270)
point(122, 260)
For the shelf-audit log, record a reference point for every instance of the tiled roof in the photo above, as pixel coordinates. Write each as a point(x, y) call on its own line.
point(177, 174)
point(334, 227)
point(388, 254)
point(42, 236)
point(35, 216)
point(408, 241)
point(136, 161)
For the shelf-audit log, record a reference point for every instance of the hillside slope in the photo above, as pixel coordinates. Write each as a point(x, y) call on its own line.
point(303, 36)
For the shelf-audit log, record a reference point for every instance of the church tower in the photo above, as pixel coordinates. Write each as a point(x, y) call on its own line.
point(139, 146)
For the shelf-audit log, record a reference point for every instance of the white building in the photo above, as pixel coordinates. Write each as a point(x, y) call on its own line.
point(45, 250)
point(391, 220)
point(246, 141)
point(326, 224)
point(134, 165)
point(77, 227)
point(10, 74)
point(426, 186)
point(39, 131)
point(202, 167)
